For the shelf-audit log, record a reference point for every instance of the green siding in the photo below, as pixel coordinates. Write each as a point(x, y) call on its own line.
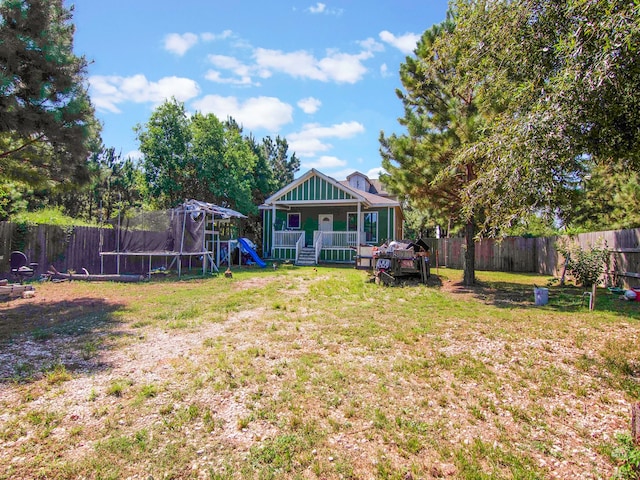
point(309, 225)
point(284, 253)
point(315, 188)
point(267, 226)
point(281, 220)
point(383, 230)
point(337, 256)
point(327, 255)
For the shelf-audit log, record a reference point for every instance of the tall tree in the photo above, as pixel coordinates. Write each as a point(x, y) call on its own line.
point(115, 185)
point(197, 157)
point(47, 120)
point(165, 143)
point(432, 163)
point(283, 168)
point(606, 200)
point(263, 175)
point(570, 78)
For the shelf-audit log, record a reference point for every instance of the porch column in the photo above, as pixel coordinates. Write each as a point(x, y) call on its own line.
point(394, 223)
point(359, 222)
point(273, 228)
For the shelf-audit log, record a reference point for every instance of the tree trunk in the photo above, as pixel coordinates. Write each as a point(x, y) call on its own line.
point(469, 265)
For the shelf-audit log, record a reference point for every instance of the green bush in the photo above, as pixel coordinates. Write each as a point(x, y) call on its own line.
point(586, 265)
point(627, 454)
point(48, 216)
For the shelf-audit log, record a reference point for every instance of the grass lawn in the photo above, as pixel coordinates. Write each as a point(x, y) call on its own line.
point(316, 373)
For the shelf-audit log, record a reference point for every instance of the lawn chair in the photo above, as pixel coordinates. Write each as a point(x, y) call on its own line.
point(20, 266)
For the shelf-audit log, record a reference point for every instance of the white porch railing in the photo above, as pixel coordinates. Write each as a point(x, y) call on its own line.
point(299, 245)
point(287, 238)
point(336, 239)
point(317, 243)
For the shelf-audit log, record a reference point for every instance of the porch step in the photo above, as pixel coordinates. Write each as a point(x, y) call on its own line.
point(307, 257)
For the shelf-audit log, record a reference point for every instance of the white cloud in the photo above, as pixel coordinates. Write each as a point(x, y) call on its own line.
point(134, 155)
point(310, 140)
point(216, 76)
point(321, 8)
point(325, 162)
point(209, 37)
point(336, 66)
point(229, 63)
point(375, 172)
point(309, 105)
point(268, 113)
point(318, 8)
point(341, 174)
point(307, 146)
point(296, 64)
point(384, 70)
point(341, 130)
point(179, 44)
point(107, 92)
point(405, 43)
point(345, 68)
point(371, 45)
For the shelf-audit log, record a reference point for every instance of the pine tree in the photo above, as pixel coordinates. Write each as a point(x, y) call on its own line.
point(47, 122)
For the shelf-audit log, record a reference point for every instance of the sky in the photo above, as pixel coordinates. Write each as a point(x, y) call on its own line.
point(323, 75)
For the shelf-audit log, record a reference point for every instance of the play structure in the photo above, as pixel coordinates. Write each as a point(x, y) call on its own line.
point(194, 233)
point(244, 246)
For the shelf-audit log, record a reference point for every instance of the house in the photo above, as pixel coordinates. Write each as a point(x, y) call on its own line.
point(318, 219)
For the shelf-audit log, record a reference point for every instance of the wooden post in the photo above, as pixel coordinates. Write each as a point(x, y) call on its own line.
point(635, 423)
point(592, 303)
point(424, 272)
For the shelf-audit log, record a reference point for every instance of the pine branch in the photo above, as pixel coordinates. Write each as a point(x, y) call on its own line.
point(22, 147)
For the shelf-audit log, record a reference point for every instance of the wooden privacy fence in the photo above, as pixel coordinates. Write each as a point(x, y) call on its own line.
point(624, 262)
point(512, 254)
point(539, 255)
point(75, 248)
point(66, 248)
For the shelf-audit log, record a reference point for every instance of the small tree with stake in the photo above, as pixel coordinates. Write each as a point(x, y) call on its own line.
point(585, 265)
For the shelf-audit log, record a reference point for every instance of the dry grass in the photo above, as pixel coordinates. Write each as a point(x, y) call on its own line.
point(300, 373)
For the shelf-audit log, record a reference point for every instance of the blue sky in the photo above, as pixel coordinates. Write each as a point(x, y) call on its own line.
point(321, 74)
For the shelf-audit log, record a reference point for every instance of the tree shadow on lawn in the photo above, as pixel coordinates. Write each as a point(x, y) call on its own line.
point(565, 298)
point(37, 338)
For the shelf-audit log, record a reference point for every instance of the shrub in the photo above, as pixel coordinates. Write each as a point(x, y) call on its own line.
point(586, 265)
point(627, 454)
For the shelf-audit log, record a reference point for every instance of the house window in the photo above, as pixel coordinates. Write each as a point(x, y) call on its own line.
point(293, 221)
point(369, 225)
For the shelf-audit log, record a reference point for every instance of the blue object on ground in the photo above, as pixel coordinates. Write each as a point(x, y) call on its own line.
point(252, 252)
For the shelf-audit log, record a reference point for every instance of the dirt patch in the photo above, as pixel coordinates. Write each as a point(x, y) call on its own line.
point(256, 282)
point(226, 382)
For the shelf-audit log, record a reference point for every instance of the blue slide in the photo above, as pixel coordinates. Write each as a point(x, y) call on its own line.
point(251, 252)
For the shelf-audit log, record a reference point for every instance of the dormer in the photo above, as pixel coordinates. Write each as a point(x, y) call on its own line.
point(359, 181)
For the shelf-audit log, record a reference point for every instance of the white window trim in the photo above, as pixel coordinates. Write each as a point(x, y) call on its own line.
point(362, 214)
point(299, 221)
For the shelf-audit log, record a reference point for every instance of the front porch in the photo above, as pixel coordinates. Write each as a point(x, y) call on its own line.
point(329, 247)
point(326, 221)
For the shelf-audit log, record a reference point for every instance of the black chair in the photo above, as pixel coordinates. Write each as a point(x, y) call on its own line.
point(20, 266)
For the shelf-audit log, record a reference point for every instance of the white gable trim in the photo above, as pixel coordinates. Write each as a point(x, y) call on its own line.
point(273, 199)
